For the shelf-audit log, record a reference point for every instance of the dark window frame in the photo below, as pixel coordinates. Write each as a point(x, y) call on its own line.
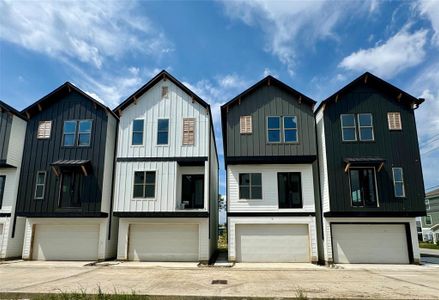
point(250, 186)
point(162, 131)
point(296, 129)
point(2, 189)
point(40, 184)
point(360, 138)
point(133, 132)
point(375, 186)
point(395, 182)
point(289, 201)
point(144, 184)
point(428, 217)
point(76, 133)
point(348, 127)
point(79, 132)
point(268, 129)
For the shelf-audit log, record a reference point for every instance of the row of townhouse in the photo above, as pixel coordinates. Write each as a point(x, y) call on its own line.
point(341, 184)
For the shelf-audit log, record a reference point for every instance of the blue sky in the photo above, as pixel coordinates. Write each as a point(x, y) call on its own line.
point(220, 48)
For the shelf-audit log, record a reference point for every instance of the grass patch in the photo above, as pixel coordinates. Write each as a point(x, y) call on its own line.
point(428, 245)
point(77, 296)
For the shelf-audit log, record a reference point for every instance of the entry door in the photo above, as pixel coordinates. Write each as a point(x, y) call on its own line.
point(70, 187)
point(192, 191)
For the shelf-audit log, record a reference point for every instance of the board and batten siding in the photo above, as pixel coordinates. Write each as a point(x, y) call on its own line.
point(150, 107)
point(40, 153)
point(5, 133)
point(263, 102)
point(399, 148)
point(269, 201)
point(323, 165)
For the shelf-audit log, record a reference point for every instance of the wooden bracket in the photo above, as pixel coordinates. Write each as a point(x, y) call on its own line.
point(39, 107)
point(336, 98)
point(227, 108)
point(380, 166)
point(84, 169)
point(399, 97)
point(300, 99)
point(164, 77)
point(135, 100)
point(119, 112)
point(347, 167)
point(239, 100)
point(69, 88)
point(1, 109)
point(193, 99)
point(268, 82)
point(55, 170)
point(27, 115)
point(365, 78)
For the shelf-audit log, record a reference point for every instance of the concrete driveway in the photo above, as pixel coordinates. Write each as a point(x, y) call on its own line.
point(243, 280)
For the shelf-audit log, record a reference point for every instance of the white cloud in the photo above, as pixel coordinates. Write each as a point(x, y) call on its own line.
point(430, 10)
point(291, 26)
point(89, 32)
point(400, 52)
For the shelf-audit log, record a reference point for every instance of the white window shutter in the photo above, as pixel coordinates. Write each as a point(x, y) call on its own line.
point(44, 129)
point(394, 120)
point(245, 124)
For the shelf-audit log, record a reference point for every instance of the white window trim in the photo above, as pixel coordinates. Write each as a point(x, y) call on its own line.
point(368, 126)
point(280, 129)
point(157, 133)
point(132, 133)
point(395, 182)
point(354, 127)
point(285, 128)
point(376, 183)
point(40, 184)
point(250, 186)
point(155, 186)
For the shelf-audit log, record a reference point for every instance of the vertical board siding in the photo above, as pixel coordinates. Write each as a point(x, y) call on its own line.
point(269, 201)
point(151, 107)
point(397, 148)
point(109, 164)
point(5, 133)
point(323, 167)
point(16, 142)
point(264, 102)
point(39, 154)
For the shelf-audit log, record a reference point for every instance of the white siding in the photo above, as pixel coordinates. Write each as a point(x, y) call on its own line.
point(269, 201)
point(109, 162)
point(16, 142)
point(151, 107)
point(321, 144)
point(11, 189)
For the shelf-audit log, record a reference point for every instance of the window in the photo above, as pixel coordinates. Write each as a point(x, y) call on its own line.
point(137, 137)
point(398, 182)
point(289, 190)
point(44, 128)
point(69, 133)
point(188, 131)
point(273, 129)
point(162, 131)
point(165, 91)
point(348, 128)
point(40, 185)
point(245, 125)
point(2, 189)
point(427, 204)
point(144, 184)
point(192, 191)
point(365, 127)
point(250, 186)
point(394, 120)
point(70, 193)
point(290, 129)
point(363, 187)
point(428, 220)
point(84, 134)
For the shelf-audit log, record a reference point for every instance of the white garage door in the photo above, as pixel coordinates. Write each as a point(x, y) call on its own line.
point(65, 242)
point(163, 242)
point(370, 243)
point(272, 243)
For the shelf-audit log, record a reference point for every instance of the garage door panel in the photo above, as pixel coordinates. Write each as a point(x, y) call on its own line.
point(65, 242)
point(272, 243)
point(370, 243)
point(163, 242)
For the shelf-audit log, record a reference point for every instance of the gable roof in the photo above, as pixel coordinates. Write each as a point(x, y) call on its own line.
point(147, 86)
point(380, 84)
point(53, 96)
point(433, 193)
point(10, 109)
point(267, 81)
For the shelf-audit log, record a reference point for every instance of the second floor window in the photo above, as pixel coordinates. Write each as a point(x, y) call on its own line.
point(137, 133)
point(188, 131)
point(428, 220)
point(144, 184)
point(348, 128)
point(162, 131)
point(357, 127)
point(363, 187)
point(365, 127)
point(250, 186)
point(40, 184)
point(2, 189)
point(289, 190)
point(398, 182)
point(290, 129)
point(273, 129)
point(77, 133)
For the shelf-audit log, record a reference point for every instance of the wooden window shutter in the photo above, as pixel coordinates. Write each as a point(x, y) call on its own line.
point(44, 129)
point(188, 131)
point(394, 120)
point(165, 91)
point(245, 124)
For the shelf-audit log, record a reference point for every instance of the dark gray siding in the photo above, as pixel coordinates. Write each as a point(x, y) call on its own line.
point(39, 154)
point(5, 132)
point(263, 102)
point(398, 148)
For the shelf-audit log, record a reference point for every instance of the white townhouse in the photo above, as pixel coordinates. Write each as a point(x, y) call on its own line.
point(12, 132)
point(272, 175)
point(166, 181)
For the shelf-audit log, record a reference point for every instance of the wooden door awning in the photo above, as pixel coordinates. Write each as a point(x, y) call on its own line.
point(83, 165)
point(364, 162)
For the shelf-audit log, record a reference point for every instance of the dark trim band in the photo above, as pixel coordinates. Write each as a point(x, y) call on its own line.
point(3, 215)
point(374, 214)
point(163, 214)
point(73, 215)
point(271, 214)
point(183, 161)
point(297, 159)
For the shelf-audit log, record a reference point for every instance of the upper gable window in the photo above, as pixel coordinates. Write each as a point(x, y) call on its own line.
point(365, 127)
point(44, 129)
point(290, 129)
point(137, 134)
point(162, 131)
point(394, 121)
point(165, 92)
point(77, 133)
point(245, 125)
point(188, 131)
point(348, 128)
point(273, 129)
